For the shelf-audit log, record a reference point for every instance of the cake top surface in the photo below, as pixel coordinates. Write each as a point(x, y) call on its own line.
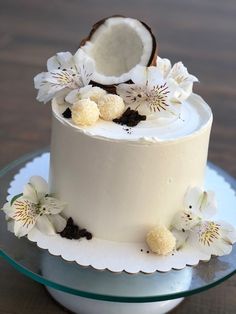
point(195, 116)
point(116, 87)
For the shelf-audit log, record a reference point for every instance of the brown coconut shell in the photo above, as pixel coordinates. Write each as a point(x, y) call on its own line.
point(152, 60)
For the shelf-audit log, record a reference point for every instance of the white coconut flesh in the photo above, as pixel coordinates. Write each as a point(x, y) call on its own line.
point(117, 46)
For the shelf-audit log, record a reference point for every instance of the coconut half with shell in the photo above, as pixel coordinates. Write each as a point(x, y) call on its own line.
point(117, 45)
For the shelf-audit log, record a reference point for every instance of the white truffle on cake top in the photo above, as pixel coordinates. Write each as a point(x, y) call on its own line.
point(111, 107)
point(85, 112)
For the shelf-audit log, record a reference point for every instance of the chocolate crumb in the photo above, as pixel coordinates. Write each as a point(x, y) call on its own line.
point(72, 231)
point(130, 118)
point(67, 113)
point(89, 235)
point(82, 233)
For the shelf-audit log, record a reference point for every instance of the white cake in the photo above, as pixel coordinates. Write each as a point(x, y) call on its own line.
point(128, 156)
point(119, 185)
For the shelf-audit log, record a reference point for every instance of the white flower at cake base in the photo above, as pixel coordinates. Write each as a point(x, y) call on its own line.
point(193, 227)
point(66, 72)
point(198, 205)
point(34, 208)
point(213, 237)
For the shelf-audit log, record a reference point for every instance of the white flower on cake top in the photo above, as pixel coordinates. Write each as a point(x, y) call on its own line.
point(158, 91)
point(66, 72)
point(34, 208)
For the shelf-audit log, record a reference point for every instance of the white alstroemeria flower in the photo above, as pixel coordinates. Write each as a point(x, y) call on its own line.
point(193, 227)
point(149, 93)
point(198, 205)
point(35, 209)
point(65, 72)
point(180, 82)
point(164, 66)
point(178, 78)
point(214, 238)
point(210, 237)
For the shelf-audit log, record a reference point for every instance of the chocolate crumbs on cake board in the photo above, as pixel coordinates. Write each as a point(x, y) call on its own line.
point(72, 231)
point(130, 118)
point(67, 113)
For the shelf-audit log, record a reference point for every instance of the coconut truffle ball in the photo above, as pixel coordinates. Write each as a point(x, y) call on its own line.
point(85, 112)
point(160, 240)
point(95, 93)
point(111, 107)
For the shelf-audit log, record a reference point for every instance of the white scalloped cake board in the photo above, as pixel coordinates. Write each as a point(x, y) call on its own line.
point(115, 256)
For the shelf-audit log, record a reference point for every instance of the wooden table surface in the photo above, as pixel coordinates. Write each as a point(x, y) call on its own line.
point(200, 33)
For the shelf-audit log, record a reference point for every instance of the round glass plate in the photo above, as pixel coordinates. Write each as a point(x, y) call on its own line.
point(69, 277)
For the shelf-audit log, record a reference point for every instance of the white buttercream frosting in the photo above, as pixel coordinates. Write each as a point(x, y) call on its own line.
point(120, 185)
point(194, 117)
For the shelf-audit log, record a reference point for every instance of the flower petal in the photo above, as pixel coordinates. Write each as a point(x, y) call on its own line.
point(11, 225)
point(58, 222)
point(45, 225)
point(163, 65)
point(72, 96)
point(20, 229)
point(40, 185)
point(47, 91)
point(8, 209)
point(132, 94)
point(39, 79)
point(181, 238)
point(30, 193)
point(154, 77)
point(185, 220)
point(146, 76)
point(85, 66)
point(228, 231)
point(180, 74)
point(213, 238)
point(51, 206)
point(203, 203)
point(139, 75)
point(61, 95)
point(60, 60)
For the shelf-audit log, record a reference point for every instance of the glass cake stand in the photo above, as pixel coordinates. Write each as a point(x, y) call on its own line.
point(89, 291)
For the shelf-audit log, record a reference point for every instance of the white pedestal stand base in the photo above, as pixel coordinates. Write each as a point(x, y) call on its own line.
point(117, 284)
point(81, 305)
